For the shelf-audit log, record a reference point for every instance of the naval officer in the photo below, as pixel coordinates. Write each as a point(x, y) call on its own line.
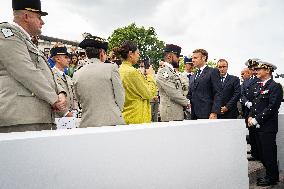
point(263, 116)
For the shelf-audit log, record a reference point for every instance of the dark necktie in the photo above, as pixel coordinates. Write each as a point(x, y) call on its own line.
point(197, 74)
point(222, 80)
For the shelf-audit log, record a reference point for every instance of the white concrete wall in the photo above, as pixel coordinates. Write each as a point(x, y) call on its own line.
point(281, 109)
point(280, 141)
point(191, 154)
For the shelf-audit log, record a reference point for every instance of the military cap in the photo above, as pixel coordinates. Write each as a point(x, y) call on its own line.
point(29, 5)
point(252, 62)
point(187, 60)
point(172, 48)
point(94, 41)
point(58, 50)
point(266, 65)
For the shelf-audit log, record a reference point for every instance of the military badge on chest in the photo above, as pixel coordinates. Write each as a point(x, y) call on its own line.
point(165, 75)
point(264, 92)
point(7, 32)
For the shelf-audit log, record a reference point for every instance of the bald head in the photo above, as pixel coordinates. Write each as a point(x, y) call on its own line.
point(31, 22)
point(246, 73)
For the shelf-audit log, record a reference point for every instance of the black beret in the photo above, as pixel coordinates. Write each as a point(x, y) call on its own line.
point(94, 41)
point(173, 48)
point(29, 5)
point(59, 50)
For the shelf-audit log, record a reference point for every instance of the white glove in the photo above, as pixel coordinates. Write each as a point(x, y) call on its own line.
point(254, 122)
point(248, 104)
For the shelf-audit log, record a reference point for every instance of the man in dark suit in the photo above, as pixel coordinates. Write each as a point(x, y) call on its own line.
point(247, 96)
point(205, 88)
point(231, 92)
point(263, 116)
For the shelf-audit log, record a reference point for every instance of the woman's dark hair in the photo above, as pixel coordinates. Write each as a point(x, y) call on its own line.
point(124, 49)
point(71, 57)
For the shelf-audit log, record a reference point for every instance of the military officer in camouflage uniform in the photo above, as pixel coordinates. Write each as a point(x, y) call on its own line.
point(28, 91)
point(61, 58)
point(263, 116)
point(172, 98)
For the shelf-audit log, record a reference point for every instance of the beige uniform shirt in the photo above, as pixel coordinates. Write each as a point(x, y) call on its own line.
point(27, 85)
point(66, 83)
point(100, 93)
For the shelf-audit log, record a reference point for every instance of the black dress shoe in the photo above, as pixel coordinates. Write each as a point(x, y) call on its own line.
point(266, 182)
point(260, 179)
point(263, 178)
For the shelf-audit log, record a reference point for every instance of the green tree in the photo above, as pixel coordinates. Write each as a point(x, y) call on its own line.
point(212, 63)
point(146, 39)
point(181, 64)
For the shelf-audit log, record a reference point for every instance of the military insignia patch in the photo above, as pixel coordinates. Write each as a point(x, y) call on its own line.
point(7, 32)
point(165, 75)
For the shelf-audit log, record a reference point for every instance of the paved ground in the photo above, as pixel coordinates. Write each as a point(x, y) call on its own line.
point(256, 170)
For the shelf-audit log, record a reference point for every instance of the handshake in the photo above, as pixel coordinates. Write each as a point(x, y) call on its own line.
point(60, 104)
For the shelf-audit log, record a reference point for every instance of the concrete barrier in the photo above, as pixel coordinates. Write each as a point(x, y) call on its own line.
point(174, 155)
point(281, 109)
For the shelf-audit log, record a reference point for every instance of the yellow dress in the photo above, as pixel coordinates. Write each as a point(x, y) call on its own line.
point(138, 93)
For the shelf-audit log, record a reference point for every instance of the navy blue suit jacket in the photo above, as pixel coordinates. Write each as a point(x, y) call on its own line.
point(231, 93)
point(205, 93)
point(267, 101)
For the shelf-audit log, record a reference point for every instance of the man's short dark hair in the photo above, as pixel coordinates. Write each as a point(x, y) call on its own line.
point(93, 52)
point(203, 52)
point(223, 60)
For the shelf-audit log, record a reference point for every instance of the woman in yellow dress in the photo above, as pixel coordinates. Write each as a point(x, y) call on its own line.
point(139, 89)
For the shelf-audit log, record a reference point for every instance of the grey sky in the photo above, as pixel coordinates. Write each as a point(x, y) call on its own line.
point(234, 30)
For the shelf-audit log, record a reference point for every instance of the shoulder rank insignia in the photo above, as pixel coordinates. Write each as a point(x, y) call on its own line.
point(7, 32)
point(165, 75)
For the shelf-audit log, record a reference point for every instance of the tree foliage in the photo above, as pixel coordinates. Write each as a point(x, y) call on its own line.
point(146, 39)
point(212, 63)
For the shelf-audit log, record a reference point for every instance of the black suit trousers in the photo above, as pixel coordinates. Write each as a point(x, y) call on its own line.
point(266, 144)
point(253, 143)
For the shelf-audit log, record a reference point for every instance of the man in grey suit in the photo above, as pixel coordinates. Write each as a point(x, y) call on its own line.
point(172, 98)
point(205, 88)
point(60, 56)
point(28, 91)
point(98, 87)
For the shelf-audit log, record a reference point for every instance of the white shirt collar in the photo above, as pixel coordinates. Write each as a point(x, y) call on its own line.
point(264, 82)
point(202, 68)
point(169, 65)
point(225, 76)
point(59, 71)
point(94, 60)
point(22, 29)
